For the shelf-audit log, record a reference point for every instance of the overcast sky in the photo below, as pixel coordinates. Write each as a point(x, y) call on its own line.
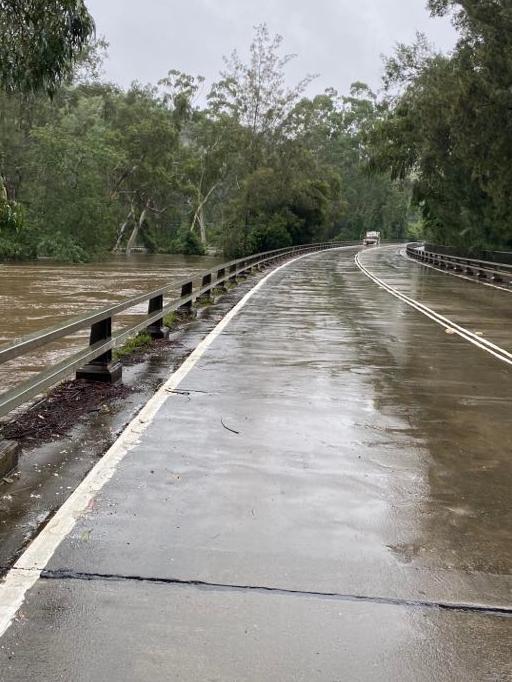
point(342, 40)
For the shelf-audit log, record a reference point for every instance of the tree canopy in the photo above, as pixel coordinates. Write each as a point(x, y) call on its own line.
point(40, 41)
point(448, 124)
point(247, 164)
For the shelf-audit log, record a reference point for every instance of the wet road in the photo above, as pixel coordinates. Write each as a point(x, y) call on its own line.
point(325, 496)
point(482, 308)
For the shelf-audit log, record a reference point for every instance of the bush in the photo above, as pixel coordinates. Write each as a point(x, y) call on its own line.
point(272, 236)
point(188, 244)
point(62, 248)
point(16, 240)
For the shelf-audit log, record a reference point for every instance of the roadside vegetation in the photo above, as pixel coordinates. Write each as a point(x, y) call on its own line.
point(139, 342)
point(446, 126)
point(248, 163)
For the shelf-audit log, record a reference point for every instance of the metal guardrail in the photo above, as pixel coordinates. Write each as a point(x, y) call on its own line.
point(95, 361)
point(500, 257)
point(481, 269)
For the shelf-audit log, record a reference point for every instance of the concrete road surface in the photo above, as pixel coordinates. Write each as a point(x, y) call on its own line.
point(323, 493)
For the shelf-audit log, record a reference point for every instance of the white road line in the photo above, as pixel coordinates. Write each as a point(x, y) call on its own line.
point(27, 570)
point(466, 334)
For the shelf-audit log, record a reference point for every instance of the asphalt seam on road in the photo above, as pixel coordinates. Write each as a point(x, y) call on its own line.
point(466, 334)
point(390, 601)
point(26, 571)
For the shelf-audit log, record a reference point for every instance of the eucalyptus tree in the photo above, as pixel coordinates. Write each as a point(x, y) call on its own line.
point(145, 180)
point(202, 157)
point(40, 41)
point(333, 128)
point(448, 126)
point(70, 194)
point(253, 102)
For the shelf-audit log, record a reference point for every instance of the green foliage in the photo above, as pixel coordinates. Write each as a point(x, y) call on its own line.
point(40, 40)
point(273, 235)
point(62, 248)
point(170, 319)
point(188, 244)
point(139, 342)
point(15, 237)
point(447, 126)
point(259, 167)
point(72, 160)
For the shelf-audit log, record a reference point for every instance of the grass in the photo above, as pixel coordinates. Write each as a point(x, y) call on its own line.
point(170, 319)
point(142, 340)
point(203, 302)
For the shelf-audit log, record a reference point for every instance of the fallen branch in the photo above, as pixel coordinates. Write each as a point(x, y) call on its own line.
point(227, 427)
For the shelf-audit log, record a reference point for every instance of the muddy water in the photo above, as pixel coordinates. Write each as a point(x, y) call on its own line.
point(38, 295)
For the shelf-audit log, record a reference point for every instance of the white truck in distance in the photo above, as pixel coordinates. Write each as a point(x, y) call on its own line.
point(371, 239)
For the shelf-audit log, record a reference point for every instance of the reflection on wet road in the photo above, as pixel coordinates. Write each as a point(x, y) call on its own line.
point(335, 471)
point(483, 310)
point(36, 296)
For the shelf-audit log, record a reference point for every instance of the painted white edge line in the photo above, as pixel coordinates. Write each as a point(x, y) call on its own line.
point(454, 274)
point(444, 320)
point(27, 570)
point(466, 334)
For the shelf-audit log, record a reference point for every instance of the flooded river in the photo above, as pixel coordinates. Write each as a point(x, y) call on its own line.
point(35, 296)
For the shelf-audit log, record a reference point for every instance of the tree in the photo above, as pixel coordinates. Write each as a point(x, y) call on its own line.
point(40, 40)
point(256, 94)
point(146, 180)
point(96, 167)
point(254, 98)
point(448, 126)
point(334, 130)
point(205, 144)
point(73, 163)
point(15, 238)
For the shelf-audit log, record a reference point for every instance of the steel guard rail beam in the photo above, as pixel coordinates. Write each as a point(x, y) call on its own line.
point(103, 341)
point(495, 272)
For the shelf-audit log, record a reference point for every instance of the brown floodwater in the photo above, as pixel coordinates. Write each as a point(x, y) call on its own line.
point(34, 296)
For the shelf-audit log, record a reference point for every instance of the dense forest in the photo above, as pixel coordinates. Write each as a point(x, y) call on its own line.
point(249, 163)
point(448, 126)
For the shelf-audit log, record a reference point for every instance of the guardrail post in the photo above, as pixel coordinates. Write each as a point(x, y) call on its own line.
point(157, 330)
point(232, 276)
point(220, 281)
point(206, 282)
point(246, 268)
point(9, 455)
point(102, 368)
point(186, 290)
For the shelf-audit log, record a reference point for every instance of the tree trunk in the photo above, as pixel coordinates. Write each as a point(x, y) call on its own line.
point(122, 230)
point(136, 229)
point(199, 214)
point(202, 228)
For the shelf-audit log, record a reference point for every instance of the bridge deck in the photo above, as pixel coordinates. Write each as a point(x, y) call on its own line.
point(333, 470)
